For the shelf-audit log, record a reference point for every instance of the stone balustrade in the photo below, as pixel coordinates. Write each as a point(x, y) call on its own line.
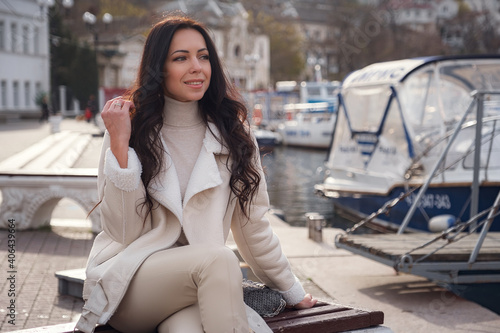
point(35, 180)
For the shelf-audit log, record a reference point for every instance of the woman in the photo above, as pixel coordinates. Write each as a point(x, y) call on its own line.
point(179, 169)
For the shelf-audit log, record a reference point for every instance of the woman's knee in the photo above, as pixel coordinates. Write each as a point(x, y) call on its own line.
point(221, 257)
point(185, 320)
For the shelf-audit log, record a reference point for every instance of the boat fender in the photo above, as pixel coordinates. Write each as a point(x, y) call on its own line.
point(441, 222)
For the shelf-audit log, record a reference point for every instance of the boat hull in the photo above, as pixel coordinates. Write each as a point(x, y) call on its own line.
point(266, 139)
point(437, 201)
point(307, 135)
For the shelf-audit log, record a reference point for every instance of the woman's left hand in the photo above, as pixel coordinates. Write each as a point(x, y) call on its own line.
point(306, 303)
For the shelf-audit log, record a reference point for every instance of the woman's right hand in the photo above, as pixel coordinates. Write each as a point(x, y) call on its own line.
point(306, 303)
point(116, 117)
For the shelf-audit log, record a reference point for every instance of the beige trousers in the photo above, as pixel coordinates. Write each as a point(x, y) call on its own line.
point(188, 289)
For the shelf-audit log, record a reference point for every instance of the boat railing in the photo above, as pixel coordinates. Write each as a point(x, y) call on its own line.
point(477, 99)
point(456, 233)
point(445, 137)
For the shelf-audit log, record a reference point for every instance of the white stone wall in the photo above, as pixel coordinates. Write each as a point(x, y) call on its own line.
point(24, 55)
point(132, 48)
point(245, 56)
point(262, 47)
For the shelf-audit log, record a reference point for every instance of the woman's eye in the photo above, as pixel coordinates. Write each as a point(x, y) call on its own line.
point(179, 58)
point(204, 57)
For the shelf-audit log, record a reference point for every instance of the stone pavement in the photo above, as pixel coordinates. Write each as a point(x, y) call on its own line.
point(410, 303)
point(32, 284)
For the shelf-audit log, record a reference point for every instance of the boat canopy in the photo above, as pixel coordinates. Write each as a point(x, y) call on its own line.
point(390, 113)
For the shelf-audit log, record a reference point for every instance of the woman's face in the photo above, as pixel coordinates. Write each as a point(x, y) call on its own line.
point(187, 68)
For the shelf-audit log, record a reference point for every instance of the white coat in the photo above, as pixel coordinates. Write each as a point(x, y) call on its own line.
point(207, 214)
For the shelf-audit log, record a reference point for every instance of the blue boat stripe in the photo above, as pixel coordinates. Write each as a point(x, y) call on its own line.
point(411, 152)
point(386, 112)
point(342, 103)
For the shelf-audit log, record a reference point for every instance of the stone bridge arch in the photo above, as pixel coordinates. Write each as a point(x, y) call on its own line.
point(30, 200)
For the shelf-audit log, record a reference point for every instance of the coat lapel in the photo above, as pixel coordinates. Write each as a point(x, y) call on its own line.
point(206, 172)
point(166, 189)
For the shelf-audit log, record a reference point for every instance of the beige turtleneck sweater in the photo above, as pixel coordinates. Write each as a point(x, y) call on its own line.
point(183, 131)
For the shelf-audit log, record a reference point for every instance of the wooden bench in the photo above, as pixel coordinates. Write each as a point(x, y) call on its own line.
point(323, 318)
point(33, 181)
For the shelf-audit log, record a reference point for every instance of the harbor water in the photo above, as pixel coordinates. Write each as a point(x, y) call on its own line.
point(291, 173)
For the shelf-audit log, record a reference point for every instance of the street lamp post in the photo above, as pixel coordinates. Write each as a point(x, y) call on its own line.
point(90, 21)
point(316, 63)
point(252, 60)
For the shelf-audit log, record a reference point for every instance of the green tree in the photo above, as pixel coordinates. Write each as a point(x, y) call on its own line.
point(72, 64)
point(83, 74)
point(370, 34)
point(287, 61)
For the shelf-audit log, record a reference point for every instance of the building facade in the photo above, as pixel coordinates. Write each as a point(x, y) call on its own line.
point(24, 57)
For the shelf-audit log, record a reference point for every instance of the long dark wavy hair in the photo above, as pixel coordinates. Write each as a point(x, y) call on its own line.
point(221, 105)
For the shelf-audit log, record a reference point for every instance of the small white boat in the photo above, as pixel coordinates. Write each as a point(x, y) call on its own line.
point(311, 122)
point(310, 125)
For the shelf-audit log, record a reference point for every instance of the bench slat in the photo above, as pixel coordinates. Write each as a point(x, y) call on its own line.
point(339, 321)
point(317, 310)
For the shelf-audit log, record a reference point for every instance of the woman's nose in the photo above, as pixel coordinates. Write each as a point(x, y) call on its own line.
point(195, 65)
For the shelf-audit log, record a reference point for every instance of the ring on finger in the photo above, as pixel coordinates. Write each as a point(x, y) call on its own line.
point(119, 105)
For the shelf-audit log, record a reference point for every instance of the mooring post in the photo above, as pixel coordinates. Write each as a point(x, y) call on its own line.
point(315, 223)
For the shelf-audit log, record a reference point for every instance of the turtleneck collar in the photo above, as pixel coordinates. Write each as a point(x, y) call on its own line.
point(180, 114)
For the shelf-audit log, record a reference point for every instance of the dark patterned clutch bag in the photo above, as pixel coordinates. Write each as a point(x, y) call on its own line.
point(262, 299)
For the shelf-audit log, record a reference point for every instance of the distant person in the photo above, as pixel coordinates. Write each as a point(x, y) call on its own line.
point(91, 110)
point(179, 169)
point(44, 110)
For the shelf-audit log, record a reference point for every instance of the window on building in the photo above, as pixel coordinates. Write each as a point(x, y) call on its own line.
point(36, 41)
point(13, 37)
point(27, 94)
point(15, 93)
point(116, 74)
point(38, 88)
point(317, 35)
point(3, 93)
point(237, 51)
point(2, 36)
point(26, 39)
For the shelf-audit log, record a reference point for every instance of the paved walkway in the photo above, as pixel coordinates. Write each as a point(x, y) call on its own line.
point(410, 304)
point(33, 286)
